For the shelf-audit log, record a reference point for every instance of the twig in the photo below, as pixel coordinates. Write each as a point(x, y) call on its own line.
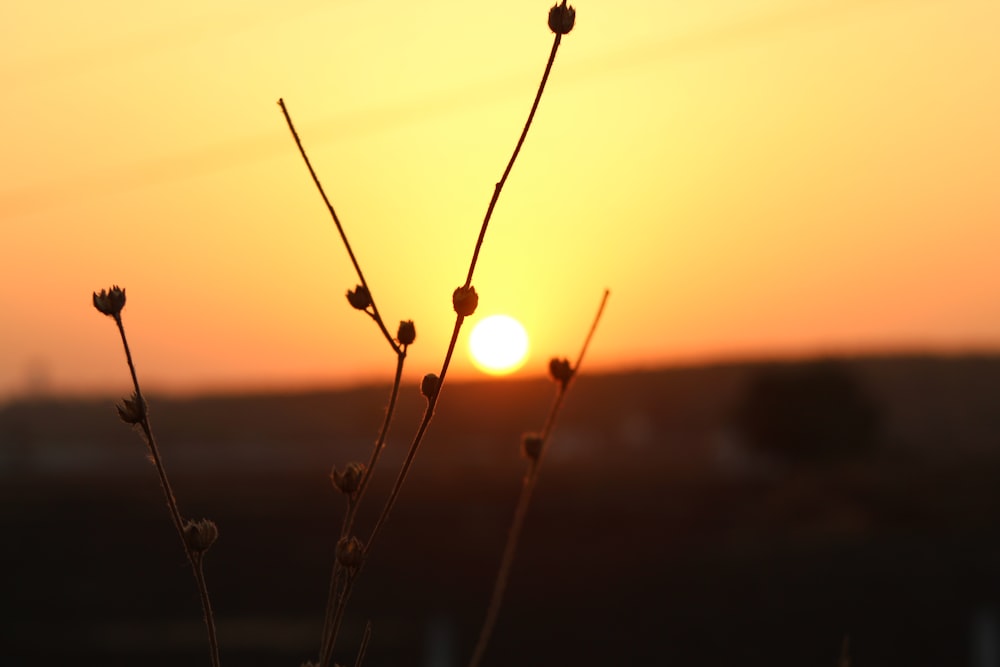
point(365, 639)
point(338, 587)
point(340, 228)
point(527, 489)
point(459, 319)
point(135, 411)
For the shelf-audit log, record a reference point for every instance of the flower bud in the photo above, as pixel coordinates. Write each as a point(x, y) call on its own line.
point(348, 480)
point(561, 18)
point(200, 535)
point(560, 370)
point(465, 300)
point(350, 552)
point(132, 410)
point(407, 333)
point(359, 297)
point(531, 446)
point(110, 301)
point(429, 386)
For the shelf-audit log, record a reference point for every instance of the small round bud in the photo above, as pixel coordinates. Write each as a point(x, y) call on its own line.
point(407, 333)
point(350, 552)
point(348, 480)
point(429, 386)
point(110, 301)
point(531, 446)
point(132, 410)
point(200, 535)
point(359, 297)
point(465, 300)
point(561, 18)
point(560, 370)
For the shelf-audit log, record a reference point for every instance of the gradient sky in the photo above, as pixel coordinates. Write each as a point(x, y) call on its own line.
point(748, 177)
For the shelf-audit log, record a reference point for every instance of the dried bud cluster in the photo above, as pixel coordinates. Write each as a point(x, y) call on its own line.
point(429, 386)
point(348, 480)
point(560, 370)
point(531, 446)
point(465, 300)
point(350, 552)
point(359, 297)
point(562, 18)
point(407, 333)
point(200, 535)
point(132, 410)
point(110, 301)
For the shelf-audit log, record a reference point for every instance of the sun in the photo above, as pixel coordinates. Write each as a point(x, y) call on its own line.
point(498, 345)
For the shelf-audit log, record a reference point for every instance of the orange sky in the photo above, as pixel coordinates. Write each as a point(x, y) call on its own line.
point(747, 176)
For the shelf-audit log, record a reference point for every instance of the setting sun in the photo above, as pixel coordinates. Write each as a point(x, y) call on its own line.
point(498, 345)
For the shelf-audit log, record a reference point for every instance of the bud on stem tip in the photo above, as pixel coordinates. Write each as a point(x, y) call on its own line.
point(562, 18)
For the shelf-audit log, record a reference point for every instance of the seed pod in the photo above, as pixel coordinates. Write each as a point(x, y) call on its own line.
point(562, 18)
point(429, 386)
point(200, 535)
point(531, 446)
point(348, 480)
point(359, 297)
point(350, 552)
point(560, 370)
point(465, 300)
point(132, 410)
point(110, 301)
point(407, 333)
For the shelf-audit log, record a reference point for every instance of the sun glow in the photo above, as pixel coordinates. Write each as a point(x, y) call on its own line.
point(498, 345)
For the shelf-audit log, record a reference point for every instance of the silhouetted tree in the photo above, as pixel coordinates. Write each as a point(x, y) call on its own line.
point(803, 413)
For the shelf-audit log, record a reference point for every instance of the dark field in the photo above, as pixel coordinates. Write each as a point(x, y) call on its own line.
point(657, 536)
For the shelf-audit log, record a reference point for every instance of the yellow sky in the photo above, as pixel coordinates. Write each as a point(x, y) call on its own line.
point(747, 177)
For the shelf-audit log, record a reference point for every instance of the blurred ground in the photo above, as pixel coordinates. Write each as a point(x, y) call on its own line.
point(658, 536)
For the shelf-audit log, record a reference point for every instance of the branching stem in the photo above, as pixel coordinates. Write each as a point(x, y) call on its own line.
point(459, 319)
point(331, 624)
point(340, 229)
point(342, 580)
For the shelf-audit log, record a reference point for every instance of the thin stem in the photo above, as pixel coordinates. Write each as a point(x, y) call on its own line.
point(154, 451)
point(506, 562)
point(510, 164)
point(340, 229)
point(194, 559)
point(206, 604)
point(593, 328)
point(380, 442)
point(365, 638)
point(524, 500)
point(432, 401)
point(550, 419)
point(338, 614)
point(331, 627)
point(417, 438)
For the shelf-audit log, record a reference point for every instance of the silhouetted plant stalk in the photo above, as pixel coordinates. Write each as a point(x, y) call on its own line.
point(351, 553)
point(354, 478)
point(196, 536)
point(533, 447)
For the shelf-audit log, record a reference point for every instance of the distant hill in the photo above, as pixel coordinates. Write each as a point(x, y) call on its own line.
point(927, 404)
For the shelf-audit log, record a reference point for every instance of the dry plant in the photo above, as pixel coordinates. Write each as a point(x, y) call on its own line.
point(353, 478)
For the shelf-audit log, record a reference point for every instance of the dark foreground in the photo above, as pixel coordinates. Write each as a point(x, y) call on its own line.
point(653, 539)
